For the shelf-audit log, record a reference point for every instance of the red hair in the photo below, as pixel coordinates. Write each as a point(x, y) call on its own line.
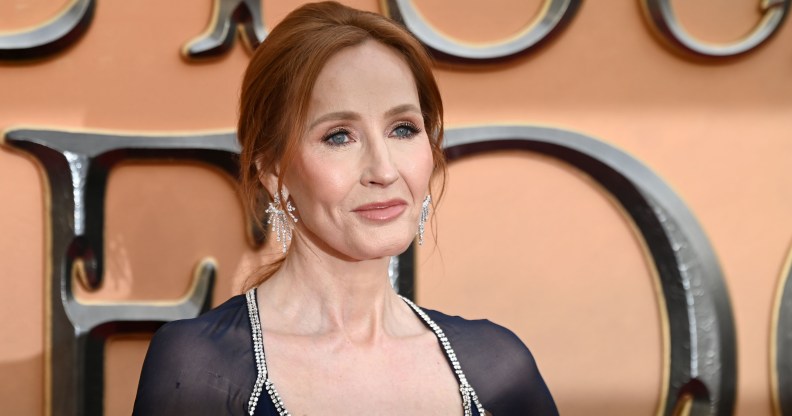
point(279, 80)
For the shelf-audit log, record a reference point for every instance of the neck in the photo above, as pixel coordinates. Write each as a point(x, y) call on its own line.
point(317, 293)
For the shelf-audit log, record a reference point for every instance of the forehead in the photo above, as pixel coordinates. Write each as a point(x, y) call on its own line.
point(365, 77)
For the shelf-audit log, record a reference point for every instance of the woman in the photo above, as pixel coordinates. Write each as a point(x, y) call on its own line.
point(341, 125)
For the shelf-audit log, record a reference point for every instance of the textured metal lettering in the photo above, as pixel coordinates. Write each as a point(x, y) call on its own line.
point(661, 15)
point(47, 39)
point(228, 16)
point(76, 166)
point(554, 16)
point(781, 344)
point(702, 341)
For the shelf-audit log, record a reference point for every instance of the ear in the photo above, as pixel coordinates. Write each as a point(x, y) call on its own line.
point(269, 179)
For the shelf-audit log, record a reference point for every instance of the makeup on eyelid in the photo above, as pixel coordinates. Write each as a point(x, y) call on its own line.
point(412, 131)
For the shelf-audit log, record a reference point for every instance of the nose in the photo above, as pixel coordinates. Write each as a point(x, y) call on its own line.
point(378, 166)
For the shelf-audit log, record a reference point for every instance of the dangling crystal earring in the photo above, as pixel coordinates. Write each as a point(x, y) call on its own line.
point(424, 217)
point(276, 218)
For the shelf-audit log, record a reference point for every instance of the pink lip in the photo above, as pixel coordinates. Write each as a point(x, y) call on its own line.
point(382, 211)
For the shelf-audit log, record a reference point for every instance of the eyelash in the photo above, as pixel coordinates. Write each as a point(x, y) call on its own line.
point(412, 131)
point(328, 138)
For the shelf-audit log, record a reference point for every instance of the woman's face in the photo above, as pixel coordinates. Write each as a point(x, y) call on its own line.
point(364, 165)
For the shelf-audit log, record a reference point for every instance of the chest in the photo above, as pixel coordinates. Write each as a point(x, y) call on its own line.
point(408, 377)
point(340, 377)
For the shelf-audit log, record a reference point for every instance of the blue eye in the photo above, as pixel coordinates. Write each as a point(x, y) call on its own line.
point(405, 131)
point(337, 138)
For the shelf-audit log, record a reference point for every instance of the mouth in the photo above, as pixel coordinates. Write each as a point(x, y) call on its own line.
point(382, 210)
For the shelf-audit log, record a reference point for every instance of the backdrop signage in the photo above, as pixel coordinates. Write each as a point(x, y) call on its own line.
point(245, 17)
point(699, 342)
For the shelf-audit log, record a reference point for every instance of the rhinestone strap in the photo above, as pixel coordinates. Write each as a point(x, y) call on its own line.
point(261, 364)
point(469, 397)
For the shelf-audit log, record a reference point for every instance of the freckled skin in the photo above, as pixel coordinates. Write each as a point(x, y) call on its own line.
point(375, 155)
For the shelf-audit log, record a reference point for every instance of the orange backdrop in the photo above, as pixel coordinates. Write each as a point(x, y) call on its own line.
point(523, 240)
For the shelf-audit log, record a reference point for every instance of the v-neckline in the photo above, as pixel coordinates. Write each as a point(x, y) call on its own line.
point(470, 400)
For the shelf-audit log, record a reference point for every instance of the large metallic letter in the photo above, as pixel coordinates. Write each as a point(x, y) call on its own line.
point(781, 343)
point(554, 16)
point(661, 15)
point(227, 16)
point(700, 345)
point(55, 35)
point(76, 166)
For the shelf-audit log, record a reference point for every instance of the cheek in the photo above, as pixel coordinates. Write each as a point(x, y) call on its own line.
point(418, 167)
point(318, 184)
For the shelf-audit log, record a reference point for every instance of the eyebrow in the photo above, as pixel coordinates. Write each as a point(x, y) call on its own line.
point(338, 115)
point(350, 115)
point(404, 108)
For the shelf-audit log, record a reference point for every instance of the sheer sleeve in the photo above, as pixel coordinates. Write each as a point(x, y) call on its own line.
point(201, 366)
point(499, 367)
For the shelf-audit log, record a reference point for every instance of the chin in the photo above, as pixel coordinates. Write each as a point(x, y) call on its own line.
point(385, 248)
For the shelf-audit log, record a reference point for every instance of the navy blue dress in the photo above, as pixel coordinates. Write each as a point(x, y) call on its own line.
point(206, 366)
